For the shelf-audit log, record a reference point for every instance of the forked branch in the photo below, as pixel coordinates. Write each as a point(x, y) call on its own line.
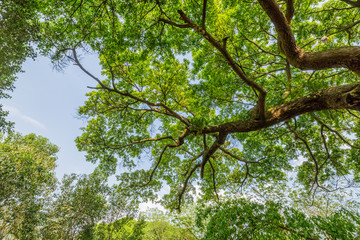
point(153, 106)
point(220, 140)
point(221, 47)
point(334, 131)
point(348, 57)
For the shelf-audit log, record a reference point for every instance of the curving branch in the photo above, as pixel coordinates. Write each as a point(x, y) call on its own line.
point(185, 186)
point(334, 97)
point(156, 166)
point(334, 131)
point(290, 10)
point(153, 106)
point(221, 47)
point(174, 23)
point(347, 57)
point(236, 157)
point(179, 142)
point(214, 182)
point(140, 141)
point(298, 136)
point(325, 146)
point(318, 166)
point(220, 140)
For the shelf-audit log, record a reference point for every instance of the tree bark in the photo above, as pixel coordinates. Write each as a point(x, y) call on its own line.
point(347, 57)
point(335, 97)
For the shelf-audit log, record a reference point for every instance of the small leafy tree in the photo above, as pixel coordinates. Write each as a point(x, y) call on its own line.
point(161, 225)
point(77, 207)
point(27, 177)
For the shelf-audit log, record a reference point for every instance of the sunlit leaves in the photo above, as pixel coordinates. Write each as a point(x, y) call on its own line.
point(163, 82)
point(244, 219)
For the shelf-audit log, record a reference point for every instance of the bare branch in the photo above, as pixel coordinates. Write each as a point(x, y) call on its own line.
point(185, 185)
point(214, 183)
point(236, 157)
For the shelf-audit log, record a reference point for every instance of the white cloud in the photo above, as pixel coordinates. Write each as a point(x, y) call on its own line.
point(149, 205)
point(17, 114)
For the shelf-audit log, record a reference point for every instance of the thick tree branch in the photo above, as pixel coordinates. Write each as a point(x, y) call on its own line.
point(289, 10)
point(348, 57)
point(335, 97)
point(203, 20)
point(352, 3)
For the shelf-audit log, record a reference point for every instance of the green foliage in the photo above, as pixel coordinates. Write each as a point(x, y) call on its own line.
point(165, 226)
point(19, 30)
point(244, 219)
point(27, 177)
point(82, 205)
point(124, 228)
point(178, 105)
point(77, 207)
point(165, 85)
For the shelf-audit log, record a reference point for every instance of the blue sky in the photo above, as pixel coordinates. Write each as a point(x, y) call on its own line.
point(45, 102)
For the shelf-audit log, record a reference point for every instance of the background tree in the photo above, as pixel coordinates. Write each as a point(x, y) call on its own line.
point(19, 30)
point(78, 206)
point(244, 219)
point(27, 176)
point(85, 207)
point(164, 225)
point(125, 228)
point(223, 95)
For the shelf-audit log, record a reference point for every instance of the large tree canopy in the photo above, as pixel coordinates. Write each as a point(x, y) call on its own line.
point(220, 94)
